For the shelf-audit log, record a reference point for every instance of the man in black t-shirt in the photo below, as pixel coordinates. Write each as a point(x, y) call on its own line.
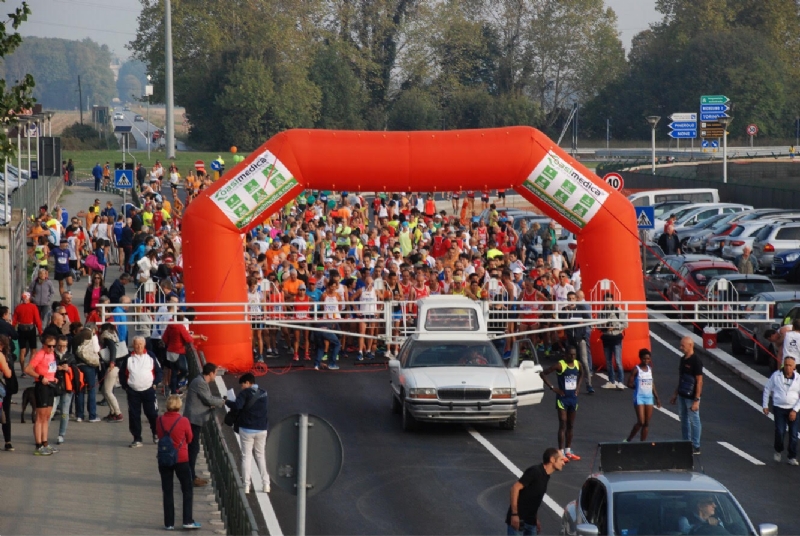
point(528, 492)
point(687, 394)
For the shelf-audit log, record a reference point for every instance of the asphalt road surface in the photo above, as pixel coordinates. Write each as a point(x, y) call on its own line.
point(450, 479)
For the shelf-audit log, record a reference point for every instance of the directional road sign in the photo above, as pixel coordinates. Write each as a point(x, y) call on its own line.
point(215, 165)
point(684, 117)
point(123, 179)
point(714, 99)
point(683, 125)
point(714, 108)
point(683, 134)
point(645, 217)
point(712, 116)
point(712, 133)
point(614, 180)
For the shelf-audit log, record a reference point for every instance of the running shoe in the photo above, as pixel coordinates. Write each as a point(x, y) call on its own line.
point(296, 357)
point(60, 439)
point(136, 444)
point(191, 526)
point(9, 447)
point(793, 461)
point(696, 452)
point(325, 357)
point(333, 367)
point(42, 451)
point(360, 356)
point(777, 457)
point(571, 456)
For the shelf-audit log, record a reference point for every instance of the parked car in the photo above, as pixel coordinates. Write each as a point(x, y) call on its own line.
point(691, 215)
point(652, 488)
point(690, 284)
point(659, 277)
point(714, 242)
point(742, 235)
point(663, 210)
point(653, 257)
point(775, 238)
point(696, 241)
point(449, 370)
point(786, 266)
point(750, 335)
point(736, 288)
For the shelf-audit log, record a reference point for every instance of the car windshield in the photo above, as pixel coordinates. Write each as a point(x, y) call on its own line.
point(754, 287)
point(678, 512)
point(453, 354)
point(782, 308)
point(704, 275)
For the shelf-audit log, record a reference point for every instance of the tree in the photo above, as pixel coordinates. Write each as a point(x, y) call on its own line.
point(18, 97)
point(343, 96)
point(414, 109)
point(128, 72)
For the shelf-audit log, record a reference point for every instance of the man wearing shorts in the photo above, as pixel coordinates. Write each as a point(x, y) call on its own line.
point(28, 323)
point(42, 368)
point(61, 255)
point(570, 376)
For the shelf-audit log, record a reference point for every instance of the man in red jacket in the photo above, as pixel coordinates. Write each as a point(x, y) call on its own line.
point(28, 323)
point(72, 312)
point(175, 338)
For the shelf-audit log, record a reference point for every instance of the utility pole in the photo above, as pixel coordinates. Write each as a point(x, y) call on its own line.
point(80, 98)
point(168, 72)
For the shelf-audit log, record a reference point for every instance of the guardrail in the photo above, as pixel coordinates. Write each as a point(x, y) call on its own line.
point(236, 511)
point(37, 192)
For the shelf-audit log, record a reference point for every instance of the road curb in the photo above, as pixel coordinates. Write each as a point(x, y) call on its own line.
point(751, 376)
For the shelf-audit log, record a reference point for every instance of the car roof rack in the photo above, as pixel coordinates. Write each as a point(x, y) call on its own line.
point(646, 456)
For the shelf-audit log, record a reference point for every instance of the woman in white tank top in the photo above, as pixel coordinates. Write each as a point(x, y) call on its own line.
point(644, 394)
point(368, 310)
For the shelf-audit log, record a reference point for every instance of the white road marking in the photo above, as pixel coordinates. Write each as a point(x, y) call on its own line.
point(273, 527)
point(516, 471)
point(717, 379)
point(740, 452)
point(663, 410)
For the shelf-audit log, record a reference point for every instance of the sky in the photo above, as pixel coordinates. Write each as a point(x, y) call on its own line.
point(113, 22)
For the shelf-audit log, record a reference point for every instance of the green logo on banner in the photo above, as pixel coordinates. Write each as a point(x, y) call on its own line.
point(548, 174)
point(588, 201)
point(251, 186)
point(569, 186)
point(233, 201)
point(561, 196)
point(241, 211)
point(580, 210)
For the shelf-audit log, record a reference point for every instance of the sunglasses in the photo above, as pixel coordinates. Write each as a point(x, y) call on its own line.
point(49, 345)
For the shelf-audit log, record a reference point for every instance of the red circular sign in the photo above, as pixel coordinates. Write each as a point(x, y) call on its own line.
point(752, 129)
point(199, 165)
point(614, 180)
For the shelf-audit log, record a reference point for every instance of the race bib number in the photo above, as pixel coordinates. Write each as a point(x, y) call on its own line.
point(645, 386)
point(52, 367)
point(570, 384)
point(62, 260)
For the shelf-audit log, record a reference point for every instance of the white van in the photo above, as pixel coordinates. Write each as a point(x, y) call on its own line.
point(692, 195)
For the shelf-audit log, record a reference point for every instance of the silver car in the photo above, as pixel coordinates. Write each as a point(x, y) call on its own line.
point(652, 491)
point(742, 236)
point(775, 238)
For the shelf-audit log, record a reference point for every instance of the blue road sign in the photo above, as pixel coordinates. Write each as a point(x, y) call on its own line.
point(645, 217)
point(34, 169)
point(712, 116)
point(715, 144)
point(683, 125)
point(123, 179)
point(705, 144)
point(683, 134)
point(215, 165)
point(714, 108)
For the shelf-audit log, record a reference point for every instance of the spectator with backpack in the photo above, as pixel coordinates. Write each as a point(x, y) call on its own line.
point(70, 381)
point(174, 435)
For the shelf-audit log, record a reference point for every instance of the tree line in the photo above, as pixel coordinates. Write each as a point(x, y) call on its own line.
point(247, 69)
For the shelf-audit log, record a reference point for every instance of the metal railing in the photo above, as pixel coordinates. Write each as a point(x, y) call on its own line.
point(236, 511)
point(37, 192)
point(396, 320)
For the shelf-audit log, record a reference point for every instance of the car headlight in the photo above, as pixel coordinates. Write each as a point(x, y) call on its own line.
point(504, 392)
point(792, 257)
point(422, 392)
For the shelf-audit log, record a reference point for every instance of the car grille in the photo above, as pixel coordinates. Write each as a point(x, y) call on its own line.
point(464, 393)
point(777, 260)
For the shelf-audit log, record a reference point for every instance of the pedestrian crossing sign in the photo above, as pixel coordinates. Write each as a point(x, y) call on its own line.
point(645, 217)
point(123, 179)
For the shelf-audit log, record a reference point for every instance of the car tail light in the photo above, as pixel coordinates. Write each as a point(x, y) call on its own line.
point(772, 311)
point(573, 245)
point(769, 248)
point(737, 243)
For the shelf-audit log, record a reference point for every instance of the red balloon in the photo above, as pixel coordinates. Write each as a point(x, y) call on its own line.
point(521, 158)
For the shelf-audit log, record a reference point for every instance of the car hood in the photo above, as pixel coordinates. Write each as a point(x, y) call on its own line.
point(489, 377)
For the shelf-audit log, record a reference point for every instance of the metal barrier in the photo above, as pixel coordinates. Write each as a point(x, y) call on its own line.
point(396, 320)
point(13, 258)
point(37, 192)
point(236, 511)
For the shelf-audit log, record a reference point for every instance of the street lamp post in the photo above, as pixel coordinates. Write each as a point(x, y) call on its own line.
point(653, 120)
point(797, 132)
point(148, 91)
point(725, 122)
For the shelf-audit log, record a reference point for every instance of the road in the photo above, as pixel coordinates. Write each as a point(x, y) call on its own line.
point(140, 131)
point(446, 479)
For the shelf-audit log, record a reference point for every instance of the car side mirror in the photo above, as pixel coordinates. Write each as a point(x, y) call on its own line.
point(527, 365)
point(587, 529)
point(768, 529)
point(394, 363)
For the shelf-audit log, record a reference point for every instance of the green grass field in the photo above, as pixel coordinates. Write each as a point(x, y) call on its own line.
point(85, 160)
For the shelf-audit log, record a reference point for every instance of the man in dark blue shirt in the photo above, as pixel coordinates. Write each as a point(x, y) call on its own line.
point(97, 173)
point(61, 255)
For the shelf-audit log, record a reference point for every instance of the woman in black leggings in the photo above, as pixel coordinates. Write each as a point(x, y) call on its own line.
point(7, 371)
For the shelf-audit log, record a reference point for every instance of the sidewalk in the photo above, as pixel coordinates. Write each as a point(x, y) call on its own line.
point(96, 484)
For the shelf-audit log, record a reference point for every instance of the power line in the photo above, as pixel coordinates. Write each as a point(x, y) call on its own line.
point(92, 4)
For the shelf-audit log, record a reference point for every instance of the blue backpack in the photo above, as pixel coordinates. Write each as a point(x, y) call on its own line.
point(167, 453)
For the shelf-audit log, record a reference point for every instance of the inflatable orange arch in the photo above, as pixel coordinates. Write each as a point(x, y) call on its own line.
point(521, 158)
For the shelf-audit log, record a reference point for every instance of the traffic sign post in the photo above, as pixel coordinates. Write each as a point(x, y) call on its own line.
point(614, 180)
point(645, 221)
point(123, 179)
point(712, 109)
point(683, 126)
point(752, 130)
point(714, 99)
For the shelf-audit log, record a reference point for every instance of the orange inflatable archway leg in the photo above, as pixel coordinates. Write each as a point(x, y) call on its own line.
point(516, 157)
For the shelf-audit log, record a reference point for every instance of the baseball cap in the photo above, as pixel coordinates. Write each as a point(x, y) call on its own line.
point(301, 258)
point(328, 260)
point(301, 286)
point(517, 270)
point(320, 268)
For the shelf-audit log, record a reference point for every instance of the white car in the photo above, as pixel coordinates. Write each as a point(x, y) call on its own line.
point(118, 117)
point(448, 370)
